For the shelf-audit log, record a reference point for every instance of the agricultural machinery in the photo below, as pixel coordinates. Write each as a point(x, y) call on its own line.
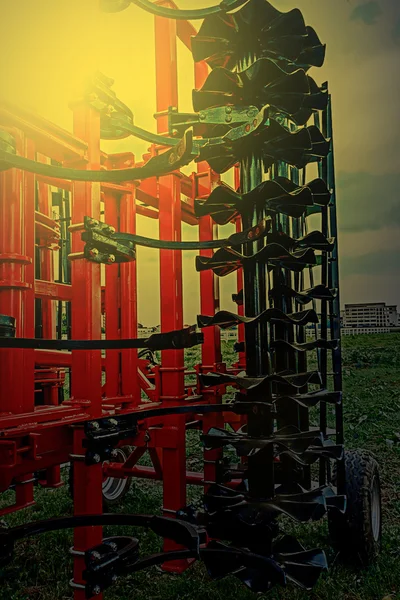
point(77, 384)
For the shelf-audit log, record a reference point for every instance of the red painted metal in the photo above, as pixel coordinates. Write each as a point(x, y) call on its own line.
point(86, 324)
point(129, 321)
point(40, 431)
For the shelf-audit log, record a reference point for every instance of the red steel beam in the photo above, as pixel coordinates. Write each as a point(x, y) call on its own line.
point(112, 303)
point(86, 323)
point(54, 290)
point(128, 293)
point(49, 139)
point(171, 300)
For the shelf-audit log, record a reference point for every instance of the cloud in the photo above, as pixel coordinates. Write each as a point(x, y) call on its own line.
point(368, 12)
point(369, 288)
point(384, 262)
point(367, 201)
point(396, 32)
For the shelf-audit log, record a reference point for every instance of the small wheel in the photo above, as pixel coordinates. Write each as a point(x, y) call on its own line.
point(115, 488)
point(357, 533)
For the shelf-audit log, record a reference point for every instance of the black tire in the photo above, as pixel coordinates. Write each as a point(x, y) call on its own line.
point(357, 533)
point(118, 488)
point(114, 494)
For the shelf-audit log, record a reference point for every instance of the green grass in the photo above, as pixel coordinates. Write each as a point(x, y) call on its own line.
point(42, 567)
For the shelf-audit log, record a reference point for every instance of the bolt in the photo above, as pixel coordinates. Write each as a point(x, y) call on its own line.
point(254, 122)
point(175, 132)
point(113, 422)
point(228, 109)
point(114, 453)
point(247, 128)
point(92, 223)
point(172, 158)
point(95, 555)
point(113, 546)
point(110, 259)
point(250, 235)
point(228, 118)
point(202, 116)
point(109, 229)
point(96, 458)
point(96, 590)
point(93, 425)
point(93, 252)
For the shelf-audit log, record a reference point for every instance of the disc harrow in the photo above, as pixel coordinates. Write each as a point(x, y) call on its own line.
point(259, 112)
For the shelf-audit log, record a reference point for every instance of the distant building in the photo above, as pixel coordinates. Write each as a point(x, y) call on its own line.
point(145, 332)
point(229, 334)
point(393, 316)
point(370, 317)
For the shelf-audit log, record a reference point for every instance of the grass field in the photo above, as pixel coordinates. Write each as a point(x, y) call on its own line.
point(42, 566)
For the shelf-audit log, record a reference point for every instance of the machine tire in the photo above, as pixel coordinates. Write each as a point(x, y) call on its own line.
point(121, 487)
point(357, 533)
point(112, 495)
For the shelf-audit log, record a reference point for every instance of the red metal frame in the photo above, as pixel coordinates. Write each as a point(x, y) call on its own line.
point(42, 436)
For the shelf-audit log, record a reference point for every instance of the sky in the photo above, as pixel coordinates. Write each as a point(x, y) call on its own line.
point(47, 47)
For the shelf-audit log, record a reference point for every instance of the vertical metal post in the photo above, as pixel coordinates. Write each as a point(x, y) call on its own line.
point(86, 323)
point(24, 493)
point(323, 353)
point(171, 299)
point(17, 223)
point(256, 336)
point(46, 271)
point(288, 413)
point(112, 387)
point(211, 348)
point(129, 319)
point(334, 283)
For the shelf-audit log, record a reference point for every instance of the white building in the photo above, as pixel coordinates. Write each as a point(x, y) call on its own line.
point(145, 332)
point(371, 317)
point(230, 334)
point(393, 316)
